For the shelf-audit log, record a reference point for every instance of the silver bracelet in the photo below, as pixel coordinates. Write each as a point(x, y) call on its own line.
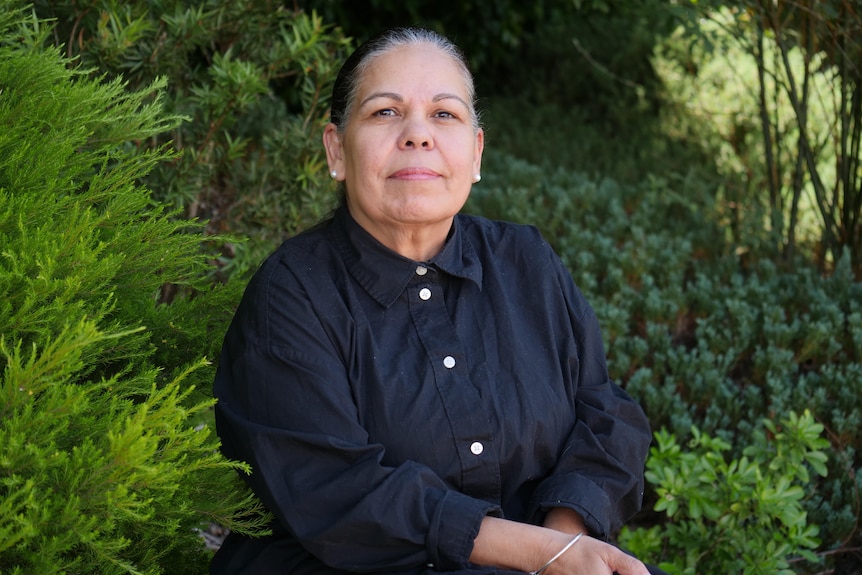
point(557, 556)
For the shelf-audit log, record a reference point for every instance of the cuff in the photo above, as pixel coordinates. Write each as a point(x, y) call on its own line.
point(454, 528)
point(579, 494)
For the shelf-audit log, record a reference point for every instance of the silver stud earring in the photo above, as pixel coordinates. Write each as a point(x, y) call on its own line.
point(334, 174)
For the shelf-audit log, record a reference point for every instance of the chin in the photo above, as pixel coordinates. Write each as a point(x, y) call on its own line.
point(427, 214)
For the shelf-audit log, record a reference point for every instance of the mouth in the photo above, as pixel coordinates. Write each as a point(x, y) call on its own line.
point(414, 174)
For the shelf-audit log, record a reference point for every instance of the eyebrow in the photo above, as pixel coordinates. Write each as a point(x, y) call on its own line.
point(398, 98)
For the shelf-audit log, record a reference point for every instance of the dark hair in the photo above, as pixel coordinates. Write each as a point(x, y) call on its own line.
point(354, 68)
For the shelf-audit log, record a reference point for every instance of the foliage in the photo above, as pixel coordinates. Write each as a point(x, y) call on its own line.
point(487, 31)
point(104, 475)
point(253, 78)
point(702, 333)
point(558, 138)
point(804, 89)
point(701, 324)
point(106, 464)
point(594, 54)
point(739, 516)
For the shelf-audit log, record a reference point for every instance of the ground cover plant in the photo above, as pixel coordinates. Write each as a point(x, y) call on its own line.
point(701, 334)
point(721, 305)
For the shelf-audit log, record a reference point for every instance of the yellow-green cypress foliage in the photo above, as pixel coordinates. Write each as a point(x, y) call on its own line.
point(106, 463)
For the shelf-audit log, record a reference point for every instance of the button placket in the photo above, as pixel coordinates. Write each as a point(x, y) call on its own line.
point(461, 398)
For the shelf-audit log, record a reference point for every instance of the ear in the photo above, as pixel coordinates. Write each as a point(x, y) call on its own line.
point(334, 150)
point(477, 152)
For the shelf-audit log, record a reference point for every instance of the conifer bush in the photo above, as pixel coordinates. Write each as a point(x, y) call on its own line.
point(106, 462)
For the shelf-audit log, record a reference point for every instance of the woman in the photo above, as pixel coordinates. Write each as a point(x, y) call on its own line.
point(417, 390)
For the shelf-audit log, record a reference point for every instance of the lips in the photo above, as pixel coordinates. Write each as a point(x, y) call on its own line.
point(414, 174)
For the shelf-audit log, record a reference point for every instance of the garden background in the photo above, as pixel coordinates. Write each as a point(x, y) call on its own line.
point(695, 164)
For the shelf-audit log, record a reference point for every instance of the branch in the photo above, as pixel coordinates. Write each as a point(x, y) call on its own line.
point(823, 204)
point(603, 69)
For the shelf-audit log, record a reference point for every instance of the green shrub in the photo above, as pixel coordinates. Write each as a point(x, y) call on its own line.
point(106, 463)
point(701, 333)
point(254, 79)
point(777, 84)
point(739, 516)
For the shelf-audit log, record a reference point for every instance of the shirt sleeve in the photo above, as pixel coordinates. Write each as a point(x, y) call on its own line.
point(285, 406)
point(600, 472)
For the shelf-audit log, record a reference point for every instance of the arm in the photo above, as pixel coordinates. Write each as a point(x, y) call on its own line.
point(599, 476)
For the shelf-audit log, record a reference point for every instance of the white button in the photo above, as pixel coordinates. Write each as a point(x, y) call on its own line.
point(421, 271)
point(449, 362)
point(425, 294)
point(477, 448)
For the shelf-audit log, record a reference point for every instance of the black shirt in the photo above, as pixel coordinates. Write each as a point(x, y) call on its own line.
point(386, 405)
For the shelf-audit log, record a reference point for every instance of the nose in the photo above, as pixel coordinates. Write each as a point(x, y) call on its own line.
point(416, 134)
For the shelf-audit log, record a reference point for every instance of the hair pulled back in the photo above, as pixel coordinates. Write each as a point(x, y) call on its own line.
point(354, 68)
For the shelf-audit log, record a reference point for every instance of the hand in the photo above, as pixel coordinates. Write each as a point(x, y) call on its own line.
point(523, 547)
point(593, 557)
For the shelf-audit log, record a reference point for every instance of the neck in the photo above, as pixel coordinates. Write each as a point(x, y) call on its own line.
point(418, 242)
point(417, 247)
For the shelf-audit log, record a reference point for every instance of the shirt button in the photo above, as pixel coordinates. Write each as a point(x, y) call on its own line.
point(448, 362)
point(425, 294)
point(477, 448)
point(421, 270)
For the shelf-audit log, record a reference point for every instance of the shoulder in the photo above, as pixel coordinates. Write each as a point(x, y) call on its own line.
point(503, 237)
point(310, 256)
point(313, 247)
point(286, 293)
point(509, 245)
point(503, 246)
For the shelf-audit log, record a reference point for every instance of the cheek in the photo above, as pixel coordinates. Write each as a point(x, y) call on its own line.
point(468, 148)
point(365, 159)
point(463, 161)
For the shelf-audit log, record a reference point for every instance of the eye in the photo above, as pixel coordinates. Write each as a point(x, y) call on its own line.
point(385, 112)
point(444, 114)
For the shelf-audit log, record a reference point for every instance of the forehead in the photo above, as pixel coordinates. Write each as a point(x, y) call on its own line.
point(413, 67)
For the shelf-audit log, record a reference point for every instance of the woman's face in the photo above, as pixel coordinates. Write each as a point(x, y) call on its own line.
point(410, 152)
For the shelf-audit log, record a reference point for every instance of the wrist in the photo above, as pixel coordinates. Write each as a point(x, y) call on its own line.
point(517, 546)
point(557, 555)
point(566, 520)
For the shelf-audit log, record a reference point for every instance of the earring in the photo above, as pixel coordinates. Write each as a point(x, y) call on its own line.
point(477, 178)
point(334, 174)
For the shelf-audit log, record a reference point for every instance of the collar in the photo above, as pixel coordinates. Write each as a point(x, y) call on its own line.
point(384, 273)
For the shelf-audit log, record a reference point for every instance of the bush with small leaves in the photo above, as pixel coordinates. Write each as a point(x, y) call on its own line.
point(700, 334)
